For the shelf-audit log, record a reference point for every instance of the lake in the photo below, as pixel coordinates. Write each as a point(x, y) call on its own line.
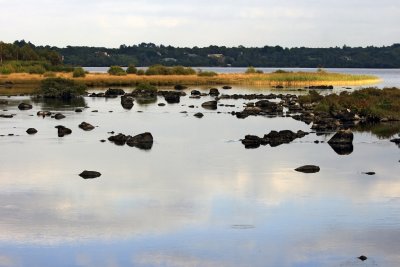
point(198, 197)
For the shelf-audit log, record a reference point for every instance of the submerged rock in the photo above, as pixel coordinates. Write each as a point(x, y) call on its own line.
point(62, 131)
point(24, 106)
point(127, 102)
point(114, 92)
point(226, 87)
point(362, 258)
point(369, 173)
point(308, 169)
point(142, 141)
point(59, 116)
point(89, 174)
point(342, 142)
point(273, 138)
point(210, 105)
point(86, 126)
point(199, 115)
point(31, 131)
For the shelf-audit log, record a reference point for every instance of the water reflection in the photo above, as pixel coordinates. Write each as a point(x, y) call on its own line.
point(197, 198)
point(59, 104)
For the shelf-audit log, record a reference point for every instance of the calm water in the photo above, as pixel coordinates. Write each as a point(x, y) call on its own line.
point(197, 198)
point(389, 77)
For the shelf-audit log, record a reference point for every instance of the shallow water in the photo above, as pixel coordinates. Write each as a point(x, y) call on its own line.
point(197, 198)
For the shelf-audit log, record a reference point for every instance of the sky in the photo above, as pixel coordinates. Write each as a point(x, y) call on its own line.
point(251, 23)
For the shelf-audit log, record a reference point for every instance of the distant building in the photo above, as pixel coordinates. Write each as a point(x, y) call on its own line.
point(169, 59)
point(216, 56)
point(102, 54)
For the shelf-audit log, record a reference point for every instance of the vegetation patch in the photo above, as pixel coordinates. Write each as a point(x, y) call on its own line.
point(375, 104)
point(61, 88)
point(163, 70)
point(78, 72)
point(116, 71)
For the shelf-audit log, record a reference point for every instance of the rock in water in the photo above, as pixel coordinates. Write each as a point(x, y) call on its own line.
point(363, 258)
point(210, 105)
point(89, 174)
point(24, 106)
point(214, 92)
point(59, 116)
point(114, 92)
point(31, 131)
point(62, 130)
point(86, 126)
point(226, 87)
point(308, 169)
point(180, 87)
point(127, 102)
point(199, 115)
point(369, 173)
point(342, 142)
point(142, 141)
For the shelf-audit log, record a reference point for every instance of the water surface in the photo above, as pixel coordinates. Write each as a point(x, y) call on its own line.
point(197, 198)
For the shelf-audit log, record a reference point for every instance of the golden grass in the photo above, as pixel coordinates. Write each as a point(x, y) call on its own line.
point(290, 79)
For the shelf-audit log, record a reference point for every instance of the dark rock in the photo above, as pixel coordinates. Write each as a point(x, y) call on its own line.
point(269, 106)
point(127, 102)
point(6, 116)
point(369, 173)
point(210, 105)
point(226, 87)
point(43, 113)
point(89, 174)
point(362, 258)
point(180, 87)
point(199, 115)
point(342, 142)
point(114, 92)
point(86, 126)
point(214, 92)
point(24, 106)
point(95, 111)
point(308, 169)
point(59, 116)
point(142, 141)
point(161, 104)
point(172, 97)
point(62, 130)
point(396, 141)
point(31, 131)
point(119, 139)
point(251, 141)
point(195, 93)
point(323, 87)
point(78, 110)
point(102, 140)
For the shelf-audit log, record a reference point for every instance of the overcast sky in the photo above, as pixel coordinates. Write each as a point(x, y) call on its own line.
point(289, 23)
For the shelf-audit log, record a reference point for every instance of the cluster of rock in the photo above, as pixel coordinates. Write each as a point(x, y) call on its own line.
point(142, 141)
point(274, 138)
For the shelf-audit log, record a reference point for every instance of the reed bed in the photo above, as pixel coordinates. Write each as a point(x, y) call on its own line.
point(290, 79)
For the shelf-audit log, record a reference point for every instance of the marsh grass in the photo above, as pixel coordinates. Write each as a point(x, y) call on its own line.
point(290, 79)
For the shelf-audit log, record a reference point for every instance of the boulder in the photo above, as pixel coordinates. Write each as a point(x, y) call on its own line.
point(127, 102)
point(214, 92)
point(43, 113)
point(142, 141)
point(24, 106)
point(342, 142)
point(210, 105)
point(199, 115)
point(195, 93)
point(119, 139)
point(308, 169)
point(89, 174)
point(62, 130)
point(78, 110)
point(31, 131)
point(114, 92)
point(86, 126)
point(59, 116)
point(172, 97)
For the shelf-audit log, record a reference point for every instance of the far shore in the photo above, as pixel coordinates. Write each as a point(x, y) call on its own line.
point(290, 79)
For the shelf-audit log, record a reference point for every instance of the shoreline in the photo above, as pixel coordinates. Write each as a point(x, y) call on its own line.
point(268, 79)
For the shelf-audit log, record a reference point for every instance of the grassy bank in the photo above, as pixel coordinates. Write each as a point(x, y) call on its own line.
point(375, 104)
point(290, 79)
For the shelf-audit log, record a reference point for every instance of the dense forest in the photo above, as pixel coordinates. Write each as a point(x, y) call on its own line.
point(146, 54)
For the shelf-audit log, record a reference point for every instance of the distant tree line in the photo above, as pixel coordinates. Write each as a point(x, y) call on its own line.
point(147, 54)
point(26, 51)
